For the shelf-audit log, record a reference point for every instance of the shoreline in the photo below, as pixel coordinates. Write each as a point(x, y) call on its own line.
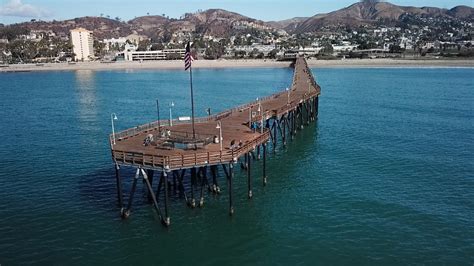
point(250, 63)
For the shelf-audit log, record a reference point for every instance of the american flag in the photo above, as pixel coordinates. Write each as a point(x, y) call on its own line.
point(188, 58)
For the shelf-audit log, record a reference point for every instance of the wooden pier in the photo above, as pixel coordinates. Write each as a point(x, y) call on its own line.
point(169, 147)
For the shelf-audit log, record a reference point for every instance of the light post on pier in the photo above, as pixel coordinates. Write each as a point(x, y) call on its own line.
point(250, 116)
point(219, 126)
point(113, 117)
point(171, 117)
point(259, 110)
point(288, 100)
point(158, 112)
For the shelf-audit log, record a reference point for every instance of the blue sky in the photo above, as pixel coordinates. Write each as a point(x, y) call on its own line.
point(13, 11)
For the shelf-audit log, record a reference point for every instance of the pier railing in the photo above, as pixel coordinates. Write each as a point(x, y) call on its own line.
point(152, 126)
point(190, 160)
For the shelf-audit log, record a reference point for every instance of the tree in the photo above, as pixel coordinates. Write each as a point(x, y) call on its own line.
point(240, 54)
point(143, 45)
point(254, 53)
point(22, 51)
point(238, 41)
point(327, 49)
point(13, 32)
point(157, 47)
point(99, 49)
point(395, 49)
point(272, 54)
point(167, 36)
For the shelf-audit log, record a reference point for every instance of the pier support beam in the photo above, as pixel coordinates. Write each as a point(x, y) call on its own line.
point(316, 107)
point(310, 110)
point(181, 186)
point(301, 117)
point(249, 176)
point(264, 164)
point(150, 191)
point(150, 174)
point(274, 134)
point(290, 124)
point(203, 183)
point(126, 212)
point(294, 117)
point(230, 175)
point(119, 187)
point(215, 185)
point(165, 180)
point(193, 184)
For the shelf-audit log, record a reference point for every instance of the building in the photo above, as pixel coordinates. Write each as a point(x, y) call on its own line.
point(166, 54)
point(114, 43)
point(259, 48)
point(83, 44)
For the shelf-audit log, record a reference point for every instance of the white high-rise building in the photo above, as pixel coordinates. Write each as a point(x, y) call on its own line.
point(83, 44)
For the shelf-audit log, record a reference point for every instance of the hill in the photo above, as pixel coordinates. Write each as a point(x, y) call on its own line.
point(222, 23)
point(212, 22)
point(287, 24)
point(102, 27)
point(370, 12)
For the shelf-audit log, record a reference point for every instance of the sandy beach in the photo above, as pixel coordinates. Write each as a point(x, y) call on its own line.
point(178, 64)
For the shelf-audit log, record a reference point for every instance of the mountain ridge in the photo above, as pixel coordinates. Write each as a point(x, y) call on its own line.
point(369, 12)
point(223, 23)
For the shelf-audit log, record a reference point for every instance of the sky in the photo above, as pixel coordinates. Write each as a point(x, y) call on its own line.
point(14, 11)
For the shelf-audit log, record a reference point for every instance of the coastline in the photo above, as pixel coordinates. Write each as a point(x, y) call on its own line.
point(250, 63)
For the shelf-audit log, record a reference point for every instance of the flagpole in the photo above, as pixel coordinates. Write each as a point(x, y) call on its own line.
point(192, 99)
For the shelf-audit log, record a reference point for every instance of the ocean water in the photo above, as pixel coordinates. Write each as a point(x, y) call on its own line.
point(384, 177)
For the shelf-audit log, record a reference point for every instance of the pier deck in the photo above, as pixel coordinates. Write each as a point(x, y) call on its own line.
point(129, 148)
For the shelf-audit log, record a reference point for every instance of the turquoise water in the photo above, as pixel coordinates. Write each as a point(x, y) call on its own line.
point(385, 176)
